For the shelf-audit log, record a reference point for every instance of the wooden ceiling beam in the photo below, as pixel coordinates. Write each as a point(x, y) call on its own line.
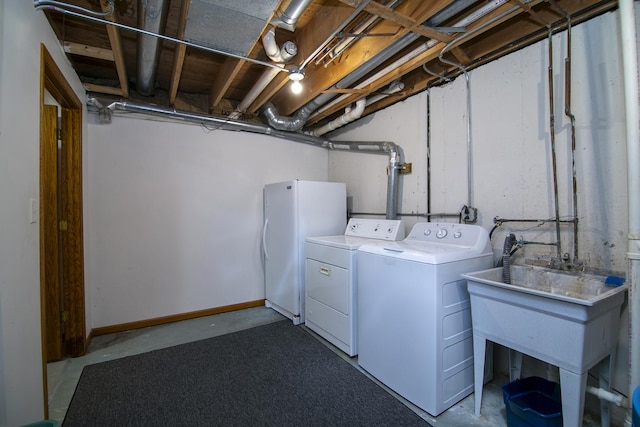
point(178, 58)
point(232, 67)
point(416, 62)
point(404, 21)
point(321, 25)
point(107, 90)
point(88, 51)
point(361, 51)
point(116, 48)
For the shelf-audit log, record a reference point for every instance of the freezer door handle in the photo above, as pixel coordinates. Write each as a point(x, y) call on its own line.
point(325, 270)
point(264, 238)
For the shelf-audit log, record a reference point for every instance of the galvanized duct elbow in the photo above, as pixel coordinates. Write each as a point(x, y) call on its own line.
point(223, 123)
point(152, 16)
point(290, 124)
point(289, 18)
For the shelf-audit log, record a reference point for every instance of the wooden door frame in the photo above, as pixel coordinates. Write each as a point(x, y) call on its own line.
point(53, 81)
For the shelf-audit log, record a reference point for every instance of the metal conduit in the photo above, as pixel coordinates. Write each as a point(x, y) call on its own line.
point(223, 123)
point(302, 115)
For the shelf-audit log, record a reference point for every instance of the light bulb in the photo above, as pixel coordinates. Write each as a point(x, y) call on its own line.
point(296, 87)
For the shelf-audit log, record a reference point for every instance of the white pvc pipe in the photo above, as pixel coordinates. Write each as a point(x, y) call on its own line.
point(629, 46)
point(417, 51)
point(602, 394)
point(276, 54)
point(349, 116)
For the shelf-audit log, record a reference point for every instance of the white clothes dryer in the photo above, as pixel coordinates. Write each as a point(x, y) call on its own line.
point(414, 315)
point(330, 276)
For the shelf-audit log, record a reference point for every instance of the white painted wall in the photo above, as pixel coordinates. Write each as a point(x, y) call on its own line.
point(22, 29)
point(512, 173)
point(174, 215)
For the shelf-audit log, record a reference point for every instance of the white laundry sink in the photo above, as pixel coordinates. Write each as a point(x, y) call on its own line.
point(564, 318)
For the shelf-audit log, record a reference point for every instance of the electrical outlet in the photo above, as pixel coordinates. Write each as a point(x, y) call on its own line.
point(33, 210)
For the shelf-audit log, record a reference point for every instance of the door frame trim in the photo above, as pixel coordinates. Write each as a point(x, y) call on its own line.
point(53, 81)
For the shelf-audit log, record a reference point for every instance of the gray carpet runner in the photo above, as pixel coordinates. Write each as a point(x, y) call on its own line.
point(271, 375)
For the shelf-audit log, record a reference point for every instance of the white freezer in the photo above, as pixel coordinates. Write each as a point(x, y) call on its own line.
point(294, 210)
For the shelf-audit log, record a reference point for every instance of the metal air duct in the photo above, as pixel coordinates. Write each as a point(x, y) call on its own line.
point(152, 16)
point(289, 18)
point(302, 115)
point(224, 123)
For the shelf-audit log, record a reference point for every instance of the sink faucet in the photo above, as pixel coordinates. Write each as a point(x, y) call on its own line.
point(509, 242)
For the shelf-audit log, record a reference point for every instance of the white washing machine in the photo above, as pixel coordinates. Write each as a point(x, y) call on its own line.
point(414, 315)
point(330, 276)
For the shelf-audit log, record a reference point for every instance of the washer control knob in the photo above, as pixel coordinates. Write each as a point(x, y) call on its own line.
point(390, 230)
point(442, 233)
point(457, 235)
point(354, 227)
point(427, 232)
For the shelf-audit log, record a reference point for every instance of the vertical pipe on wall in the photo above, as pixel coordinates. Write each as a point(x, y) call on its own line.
point(552, 138)
point(572, 118)
point(392, 184)
point(629, 46)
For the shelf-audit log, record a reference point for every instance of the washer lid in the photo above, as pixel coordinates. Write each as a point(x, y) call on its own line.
point(438, 243)
point(350, 243)
point(426, 253)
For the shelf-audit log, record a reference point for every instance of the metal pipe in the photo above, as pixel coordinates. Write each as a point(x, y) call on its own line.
point(425, 215)
point(552, 137)
point(335, 32)
point(78, 8)
point(224, 123)
point(629, 47)
point(392, 183)
point(301, 116)
point(572, 118)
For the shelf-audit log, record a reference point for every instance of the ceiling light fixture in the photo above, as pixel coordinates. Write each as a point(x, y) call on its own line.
point(295, 75)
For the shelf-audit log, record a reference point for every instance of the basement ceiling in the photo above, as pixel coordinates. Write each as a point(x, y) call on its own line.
point(349, 50)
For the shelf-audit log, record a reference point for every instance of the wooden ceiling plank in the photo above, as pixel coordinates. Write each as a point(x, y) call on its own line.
point(108, 90)
point(88, 51)
point(116, 48)
point(224, 78)
point(319, 27)
point(178, 58)
point(416, 62)
point(232, 66)
point(389, 14)
point(361, 51)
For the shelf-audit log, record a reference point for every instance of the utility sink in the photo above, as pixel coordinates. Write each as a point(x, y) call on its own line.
point(574, 287)
point(567, 319)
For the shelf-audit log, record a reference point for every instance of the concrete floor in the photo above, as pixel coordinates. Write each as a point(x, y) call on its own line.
point(64, 375)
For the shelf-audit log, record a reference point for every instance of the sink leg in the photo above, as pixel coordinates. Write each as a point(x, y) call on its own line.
point(606, 373)
point(479, 348)
point(573, 387)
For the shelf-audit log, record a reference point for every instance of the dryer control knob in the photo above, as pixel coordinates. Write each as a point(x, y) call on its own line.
point(427, 232)
point(457, 235)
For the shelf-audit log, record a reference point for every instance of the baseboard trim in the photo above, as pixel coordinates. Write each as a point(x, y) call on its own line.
point(173, 318)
